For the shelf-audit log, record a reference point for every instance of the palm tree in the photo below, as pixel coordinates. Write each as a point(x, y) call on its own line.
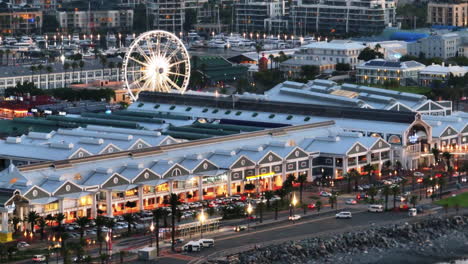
point(386, 191)
point(49, 70)
point(447, 156)
point(441, 182)
point(318, 205)
point(15, 221)
point(74, 66)
point(59, 219)
point(157, 215)
point(377, 47)
point(436, 153)
point(372, 192)
point(301, 179)
point(82, 222)
point(414, 200)
point(268, 196)
point(130, 219)
point(258, 49)
point(33, 69)
point(103, 61)
point(403, 184)
point(395, 191)
point(100, 221)
point(8, 52)
point(332, 200)
point(348, 178)
point(271, 57)
point(281, 193)
point(173, 202)
point(356, 176)
point(66, 67)
point(32, 218)
point(81, 64)
point(368, 168)
point(42, 225)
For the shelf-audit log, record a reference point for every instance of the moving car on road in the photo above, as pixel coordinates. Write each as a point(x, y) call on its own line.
point(294, 217)
point(375, 208)
point(325, 194)
point(240, 228)
point(351, 201)
point(311, 206)
point(344, 215)
point(38, 258)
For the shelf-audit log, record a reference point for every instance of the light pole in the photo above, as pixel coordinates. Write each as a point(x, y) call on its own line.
point(202, 219)
point(107, 245)
point(294, 203)
point(249, 212)
point(151, 234)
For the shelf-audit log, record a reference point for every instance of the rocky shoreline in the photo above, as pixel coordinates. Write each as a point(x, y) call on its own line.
point(433, 240)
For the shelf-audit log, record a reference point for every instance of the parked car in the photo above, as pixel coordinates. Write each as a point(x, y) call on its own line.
point(39, 258)
point(418, 174)
point(294, 217)
point(344, 215)
point(311, 206)
point(351, 201)
point(412, 212)
point(192, 246)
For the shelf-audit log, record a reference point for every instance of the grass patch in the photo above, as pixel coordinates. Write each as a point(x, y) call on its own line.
point(460, 199)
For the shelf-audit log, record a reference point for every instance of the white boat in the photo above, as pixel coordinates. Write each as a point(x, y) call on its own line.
point(10, 41)
point(76, 38)
point(22, 46)
point(197, 44)
point(217, 43)
point(26, 39)
point(111, 51)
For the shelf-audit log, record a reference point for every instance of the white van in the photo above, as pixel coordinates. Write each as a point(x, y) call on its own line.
point(192, 246)
point(412, 212)
point(375, 208)
point(206, 242)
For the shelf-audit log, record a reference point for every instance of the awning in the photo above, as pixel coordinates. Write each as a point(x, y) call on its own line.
point(77, 195)
point(123, 188)
point(42, 201)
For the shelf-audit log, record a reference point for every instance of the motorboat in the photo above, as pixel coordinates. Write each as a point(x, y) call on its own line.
point(217, 43)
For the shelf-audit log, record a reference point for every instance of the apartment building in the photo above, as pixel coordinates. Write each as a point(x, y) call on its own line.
point(90, 20)
point(341, 16)
point(380, 71)
point(263, 16)
point(20, 20)
point(168, 15)
point(336, 51)
point(441, 46)
point(448, 12)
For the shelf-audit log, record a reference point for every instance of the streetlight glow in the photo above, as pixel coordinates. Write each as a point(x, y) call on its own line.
point(294, 200)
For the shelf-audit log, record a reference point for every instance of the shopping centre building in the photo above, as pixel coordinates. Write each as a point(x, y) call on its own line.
point(291, 139)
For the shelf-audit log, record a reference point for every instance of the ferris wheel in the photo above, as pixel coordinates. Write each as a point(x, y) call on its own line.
point(156, 61)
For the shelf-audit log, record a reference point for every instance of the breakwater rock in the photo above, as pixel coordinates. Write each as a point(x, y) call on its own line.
point(427, 241)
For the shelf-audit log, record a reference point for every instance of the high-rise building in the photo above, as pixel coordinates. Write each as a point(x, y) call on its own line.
point(341, 16)
point(90, 20)
point(448, 12)
point(168, 15)
point(263, 16)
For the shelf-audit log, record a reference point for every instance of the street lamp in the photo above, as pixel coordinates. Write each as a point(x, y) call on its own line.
point(293, 203)
point(202, 219)
point(151, 234)
point(107, 243)
point(249, 212)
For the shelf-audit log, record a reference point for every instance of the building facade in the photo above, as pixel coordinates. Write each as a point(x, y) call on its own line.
point(337, 51)
point(168, 15)
point(435, 46)
point(435, 74)
point(344, 16)
point(260, 16)
point(58, 78)
point(379, 71)
point(88, 21)
point(448, 13)
point(20, 20)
